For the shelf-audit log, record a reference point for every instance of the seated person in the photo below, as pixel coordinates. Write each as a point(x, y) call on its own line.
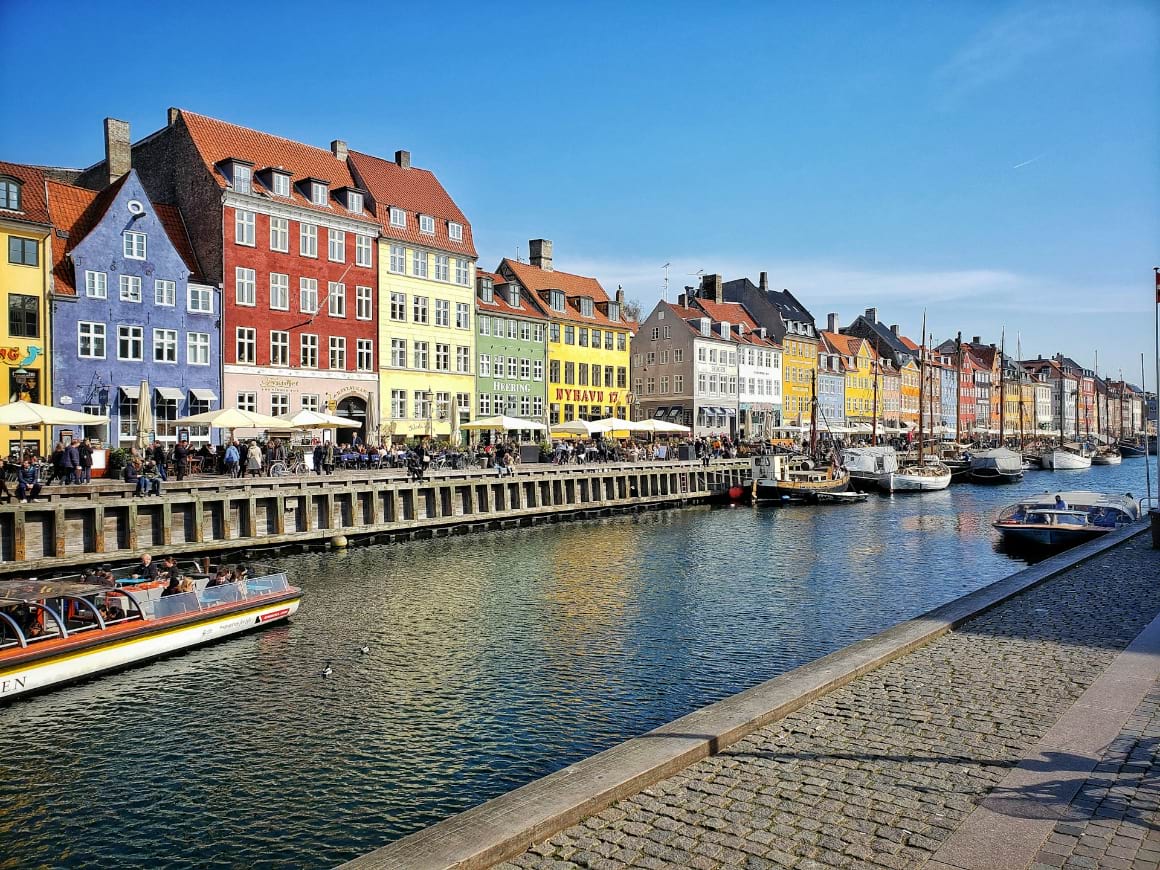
point(146, 569)
point(27, 481)
point(149, 479)
point(174, 586)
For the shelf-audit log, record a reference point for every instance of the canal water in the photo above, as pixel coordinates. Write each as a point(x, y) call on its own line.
point(494, 659)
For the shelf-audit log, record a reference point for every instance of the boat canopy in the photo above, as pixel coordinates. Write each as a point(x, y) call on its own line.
point(30, 591)
point(870, 459)
point(1003, 460)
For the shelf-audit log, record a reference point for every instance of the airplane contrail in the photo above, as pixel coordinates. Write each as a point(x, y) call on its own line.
point(1028, 162)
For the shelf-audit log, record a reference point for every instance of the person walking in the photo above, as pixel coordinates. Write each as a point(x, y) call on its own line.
point(254, 460)
point(232, 459)
point(319, 457)
point(329, 457)
point(181, 460)
point(70, 463)
point(85, 452)
point(160, 459)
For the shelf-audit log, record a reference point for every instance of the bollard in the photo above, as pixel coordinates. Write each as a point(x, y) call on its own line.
point(339, 542)
point(1155, 514)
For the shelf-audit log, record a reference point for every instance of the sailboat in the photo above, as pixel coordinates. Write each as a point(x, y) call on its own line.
point(922, 476)
point(1108, 454)
point(999, 465)
point(1060, 458)
point(869, 466)
point(808, 479)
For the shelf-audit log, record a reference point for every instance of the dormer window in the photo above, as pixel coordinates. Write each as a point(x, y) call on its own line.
point(706, 326)
point(243, 178)
point(427, 224)
point(556, 300)
point(398, 217)
point(280, 183)
point(585, 306)
point(10, 194)
point(486, 290)
point(614, 312)
point(318, 193)
point(354, 201)
point(455, 231)
point(514, 295)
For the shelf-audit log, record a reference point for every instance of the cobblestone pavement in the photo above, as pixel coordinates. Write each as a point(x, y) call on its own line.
point(880, 772)
point(1113, 823)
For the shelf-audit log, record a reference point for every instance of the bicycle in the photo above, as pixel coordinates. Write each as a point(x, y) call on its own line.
point(293, 465)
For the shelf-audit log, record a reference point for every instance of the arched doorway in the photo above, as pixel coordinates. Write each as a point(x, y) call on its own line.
point(352, 408)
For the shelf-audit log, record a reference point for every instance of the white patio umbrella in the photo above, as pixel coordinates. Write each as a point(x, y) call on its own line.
point(30, 415)
point(660, 426)
point(503, 423)
point(573, 427)
point(615, 424)
point(316, 420)
point(454, 438)
point(233, 418)
point(144, 415)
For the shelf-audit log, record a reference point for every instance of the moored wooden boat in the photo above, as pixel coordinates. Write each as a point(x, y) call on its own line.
point(1107, 456)
point(1066, 518)
point(1061, 459)
point(57, 631)
point(999, 465)
point(801, 481)
point(928, 477)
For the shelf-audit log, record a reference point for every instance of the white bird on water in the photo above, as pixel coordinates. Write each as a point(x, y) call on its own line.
point(328, 670)
point(364, 649)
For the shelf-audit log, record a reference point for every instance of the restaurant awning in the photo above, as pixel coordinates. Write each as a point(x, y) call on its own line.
point(170, 394)
point(131, 392)
point(730, 412)
point(203, 395)
point(676, 411)
point(661, 412)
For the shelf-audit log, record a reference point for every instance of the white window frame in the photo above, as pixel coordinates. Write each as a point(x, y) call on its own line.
point(336, 246)
point(399, 353)
point(280, 184)
point(195, 293)
point(163, 340)
point(92, 332)
point(96, 284)
point(245, 336)
point(363, 303)
point(245, 227)
point(354, 202)
point(442, 267)
point(279, 348)
point(243, 178)
point(463, 359)
point(398, 261)
point(462, 315)
point(308, 350)
point(397, 309)
point(280, 234)
point(245, 286)
point(131, 333)
point(454, 231)
point(318, 193)
point(426, 225)
point(308, 240)
point(134, 246)
point(363, 250)
point(398, 217)
point(364, 355)
point(337, 353)
point(164, 292)
point(279, 291)
point(126, 291)
point(197, 351)
point(462, 272)
point(443, 313)
point(308, 290)
point(419, 263)
point(336, 299)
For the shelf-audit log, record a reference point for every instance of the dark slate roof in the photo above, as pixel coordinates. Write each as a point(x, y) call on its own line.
point(788, 305)
point(884, 333)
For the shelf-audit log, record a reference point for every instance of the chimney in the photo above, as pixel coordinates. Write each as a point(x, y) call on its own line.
point(619, 289)
point(763, 282)
point(894, 329)
point(682, 301)
point(977, 340)
point(173, 113)
point(872, 315)
point(711, 288)
point(832, 322)
point(338, 149)
point(540, 254)
point(118, 154)
point(403, 159)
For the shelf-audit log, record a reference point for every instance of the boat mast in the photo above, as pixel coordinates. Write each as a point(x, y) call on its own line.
point(874, 423)
point(1062, 385)
point(1022, 385)
point(959, 389)
point(921, 386)
point(1097, 392)
point(1002, 385)
point(813, 411)
point(1120, 397)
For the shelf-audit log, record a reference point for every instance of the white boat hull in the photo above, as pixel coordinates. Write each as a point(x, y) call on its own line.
point(36, 676)
point(1107, 459)
point(1064, 460)
point(900, 481)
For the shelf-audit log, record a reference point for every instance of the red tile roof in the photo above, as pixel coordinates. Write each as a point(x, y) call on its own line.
point(415, 191)
point(74, 211)
point(500, 305)
point(218, 140)
point(735, 314)
point(847, 345)
point(33, 207)
point(539, 281)
point(910, 345)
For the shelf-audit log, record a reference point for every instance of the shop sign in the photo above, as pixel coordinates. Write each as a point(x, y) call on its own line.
point(564, 394)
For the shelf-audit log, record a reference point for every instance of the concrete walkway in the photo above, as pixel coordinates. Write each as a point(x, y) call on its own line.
point(1029, 718)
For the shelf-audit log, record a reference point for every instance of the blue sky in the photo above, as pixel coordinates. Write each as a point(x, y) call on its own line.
point(994, 163)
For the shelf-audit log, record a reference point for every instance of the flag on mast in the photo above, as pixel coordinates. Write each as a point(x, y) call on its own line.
point(1158, 286)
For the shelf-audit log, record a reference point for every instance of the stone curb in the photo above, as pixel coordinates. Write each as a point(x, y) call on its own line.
point(506, 826)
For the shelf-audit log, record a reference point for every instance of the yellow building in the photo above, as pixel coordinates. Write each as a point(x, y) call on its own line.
point(426, 275)
point(910, 389)
point(26, 233)
point(860, 361)
point(588, 338)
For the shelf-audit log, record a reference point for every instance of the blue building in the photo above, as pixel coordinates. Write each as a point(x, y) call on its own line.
point(128, 307)
point(950, 395)
point(832, 386)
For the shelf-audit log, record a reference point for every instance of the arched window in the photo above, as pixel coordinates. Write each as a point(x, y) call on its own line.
point(10, 194)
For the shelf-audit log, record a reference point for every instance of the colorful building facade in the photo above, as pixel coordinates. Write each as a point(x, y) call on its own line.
point(427, 294)
point(128, 307)
point(511, 351)
point(25, 280)
point(588, 337)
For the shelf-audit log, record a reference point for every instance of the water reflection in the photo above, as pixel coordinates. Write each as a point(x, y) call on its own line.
point(494, 659)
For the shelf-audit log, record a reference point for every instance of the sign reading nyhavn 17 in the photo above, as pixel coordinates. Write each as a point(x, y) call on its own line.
point(566, 395)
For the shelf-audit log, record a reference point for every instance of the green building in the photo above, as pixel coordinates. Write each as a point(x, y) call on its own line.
point(510, 351)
